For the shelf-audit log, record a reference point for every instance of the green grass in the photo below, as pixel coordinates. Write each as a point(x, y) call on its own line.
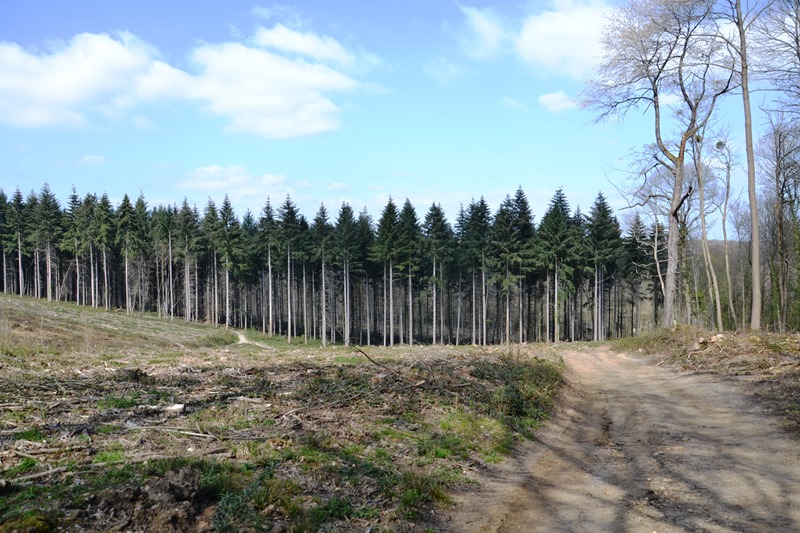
point(33, 435)
point(215, 340)
point(663, 341)
point(117, 402)
point(524, 392)
point(109, 456)
point(23, 467)
point(491, 439)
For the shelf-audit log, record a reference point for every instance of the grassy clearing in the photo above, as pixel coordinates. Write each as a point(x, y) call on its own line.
point(114, 421)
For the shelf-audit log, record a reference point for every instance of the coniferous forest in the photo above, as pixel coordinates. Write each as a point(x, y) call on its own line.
point(491, 276)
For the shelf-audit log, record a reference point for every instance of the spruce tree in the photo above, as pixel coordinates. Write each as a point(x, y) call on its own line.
point(72, 239)
point(230, 248)
point(268, 240)
point(409, 241)
point(505, 245)
point(16, 235)
point(365, 239)
point(4, 237)
point(438, 247)
point(385, 251)
point(345, 233)
point(211, 231)
point(142, 243)
point(289, 234)
point(476, 242)
point(321, 232)
point(47, 234)
point(555, 246)
point(605, 247)
point(125, 225)
point(187, 228)
point(104, 235)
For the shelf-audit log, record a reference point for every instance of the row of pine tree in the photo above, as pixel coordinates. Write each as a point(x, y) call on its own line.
point(491, 277)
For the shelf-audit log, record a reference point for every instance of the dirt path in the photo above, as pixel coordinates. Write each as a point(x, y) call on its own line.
point(637, 447)
point(243, 340)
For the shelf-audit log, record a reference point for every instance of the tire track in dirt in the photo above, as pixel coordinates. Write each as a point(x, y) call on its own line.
point(635, 447)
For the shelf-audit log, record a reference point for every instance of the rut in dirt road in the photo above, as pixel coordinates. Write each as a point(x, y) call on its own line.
point(636, 447)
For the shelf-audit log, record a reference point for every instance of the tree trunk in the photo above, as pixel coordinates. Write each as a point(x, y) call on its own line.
point(391, 303)
point(324, 310)
point(105, 281)
point(171, 289)
point(187, 287)
point(671, 283)
point(227, 297)
point(366, 295)
point(49, 270)
point(755, 239)
point(288, 295)
point(547, 307)
point(433, 341)
point(474, 310)
point(597, 304)
point(78, 280)
point(484, 300)
point(305, 308)
point(196, 291)
point(19, 260)
point(270, 298)
point(346, 282)
point(521, 322)
point(731, 307)
point(410, 310)
point(508, 309)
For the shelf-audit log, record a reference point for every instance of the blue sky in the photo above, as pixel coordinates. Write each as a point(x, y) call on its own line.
point(330, 102)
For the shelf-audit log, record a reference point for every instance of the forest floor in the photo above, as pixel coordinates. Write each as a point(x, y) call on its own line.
point(701, 437)
point(116, 422)
point(125, 422)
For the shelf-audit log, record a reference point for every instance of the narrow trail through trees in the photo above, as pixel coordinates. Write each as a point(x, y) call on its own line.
point(243, 340)
point(637, 447)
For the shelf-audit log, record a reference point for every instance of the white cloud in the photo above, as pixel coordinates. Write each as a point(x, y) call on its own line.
point(242, 186)
point(258, 91)
point(262, 12)
point(306, 44)
point(565, 39)
point(92, 160)
point(338, 186)
point(216, 178)
point(512, 103)
point(265, 93)
point(484, 34)
point(60, 86)
point(287, 14)
point(557, 102)
point(443, 71)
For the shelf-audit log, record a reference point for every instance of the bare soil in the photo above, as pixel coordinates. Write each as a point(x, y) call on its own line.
point(637, 444)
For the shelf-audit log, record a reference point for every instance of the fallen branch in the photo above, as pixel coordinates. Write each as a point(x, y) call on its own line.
point(23, 454)
point(182, 431)
point(43, 451)
point(374, 362)
point(38, 475)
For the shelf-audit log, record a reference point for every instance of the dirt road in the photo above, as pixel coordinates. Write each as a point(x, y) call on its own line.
point(636, 447)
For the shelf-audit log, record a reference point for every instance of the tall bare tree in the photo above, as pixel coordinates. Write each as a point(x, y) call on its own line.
point(743, 18)
point(701, 173)
point(662, 55)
